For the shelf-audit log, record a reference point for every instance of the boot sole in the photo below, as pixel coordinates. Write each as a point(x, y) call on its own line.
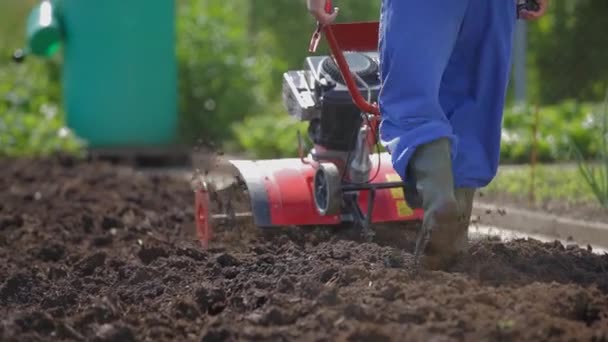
point(438, 245)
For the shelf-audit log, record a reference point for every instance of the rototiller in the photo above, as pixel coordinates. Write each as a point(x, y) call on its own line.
point(341, 179)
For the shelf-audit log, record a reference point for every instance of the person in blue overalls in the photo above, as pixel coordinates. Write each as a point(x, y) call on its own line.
point(444, 67)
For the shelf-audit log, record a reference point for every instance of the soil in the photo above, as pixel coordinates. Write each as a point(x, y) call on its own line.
point(93, 251)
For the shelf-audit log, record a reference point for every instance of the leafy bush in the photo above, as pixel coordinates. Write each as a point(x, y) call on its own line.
point(558, 124)
point(231, 55)
point(271, 136)
point(220, 76)
point(551, 182)
point(31, 118)
point(596, 175)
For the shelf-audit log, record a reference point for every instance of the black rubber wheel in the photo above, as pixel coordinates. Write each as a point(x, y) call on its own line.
point(327, 190)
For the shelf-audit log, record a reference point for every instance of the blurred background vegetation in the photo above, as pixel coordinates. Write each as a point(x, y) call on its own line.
point(232, 54)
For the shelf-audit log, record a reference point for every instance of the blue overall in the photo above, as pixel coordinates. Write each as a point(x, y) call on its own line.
point(445, 67)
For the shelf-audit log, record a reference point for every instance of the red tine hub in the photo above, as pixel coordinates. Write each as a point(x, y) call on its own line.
point(203, 219)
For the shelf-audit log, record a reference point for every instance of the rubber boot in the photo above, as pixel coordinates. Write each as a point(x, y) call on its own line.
point(464, 198)
point(431, 167)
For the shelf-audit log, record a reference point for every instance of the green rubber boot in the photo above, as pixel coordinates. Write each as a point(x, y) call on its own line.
point(464, 198)
point(431, 167)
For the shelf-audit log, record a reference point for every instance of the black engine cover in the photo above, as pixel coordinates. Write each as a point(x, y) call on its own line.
point(339, 125)
point(340, 118)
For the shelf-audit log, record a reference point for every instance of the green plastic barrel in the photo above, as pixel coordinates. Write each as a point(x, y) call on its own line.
point(119, 71)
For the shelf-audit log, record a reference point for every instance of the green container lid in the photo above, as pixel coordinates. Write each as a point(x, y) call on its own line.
point(43, 30)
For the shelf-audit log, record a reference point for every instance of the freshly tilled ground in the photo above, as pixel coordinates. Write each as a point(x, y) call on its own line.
point(91, 251)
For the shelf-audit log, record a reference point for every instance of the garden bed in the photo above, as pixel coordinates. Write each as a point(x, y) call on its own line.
point(93, 251)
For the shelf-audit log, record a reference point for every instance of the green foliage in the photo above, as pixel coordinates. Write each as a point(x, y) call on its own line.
point(291, 27)
point(232, 54)
point(31, 119)
point(568, 52)
point(12, 24)
point(31, 115)
point(271, 136)
point(560, 182)
point(596, 175)
point(558, 124)
point(218, 75)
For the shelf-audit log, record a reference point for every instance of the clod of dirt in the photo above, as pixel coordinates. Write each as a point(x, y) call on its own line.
point(226, 260)
point(114, 333)
point(87, 223)
point(275, 316)
point(192, 253)
point(286, 284)
point(103, 240)
point(329, 297)
point(18, 289)
point(100, 313)
point(88, 265)
point(10, 222)
point(389, 292)
point(52, 252)
point(341, 254)
point(211, 300)
point(65, 299)
point(394, 260)
point(188, 310)
point(56, 273)
point(142, 275)
point(328, 274)
point(230, 272)
point(67, 332)
point(216, 335)
point(584, 309)
point(265, 259)
point(109, 222)
point(36, 321)
point(149, 254)
point(357, 312)
point(368, 335)
point(311, 289)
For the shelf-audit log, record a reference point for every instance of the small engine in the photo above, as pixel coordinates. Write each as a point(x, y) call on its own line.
point(318, 94)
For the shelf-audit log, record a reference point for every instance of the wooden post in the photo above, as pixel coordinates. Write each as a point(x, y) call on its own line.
point(533, 155)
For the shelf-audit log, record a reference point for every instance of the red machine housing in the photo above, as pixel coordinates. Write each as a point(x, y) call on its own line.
point(282, 190)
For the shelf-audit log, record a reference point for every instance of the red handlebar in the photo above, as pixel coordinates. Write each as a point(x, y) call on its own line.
point(363, 105)
point(338, 55)
point(329, 8)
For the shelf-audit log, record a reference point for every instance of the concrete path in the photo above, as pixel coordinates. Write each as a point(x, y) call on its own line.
point(537, 223)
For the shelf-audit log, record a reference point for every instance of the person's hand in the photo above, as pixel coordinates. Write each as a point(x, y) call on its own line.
point(317, 9)
point(533, 15)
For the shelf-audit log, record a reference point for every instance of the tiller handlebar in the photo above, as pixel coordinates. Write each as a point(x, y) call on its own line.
point(348, 37)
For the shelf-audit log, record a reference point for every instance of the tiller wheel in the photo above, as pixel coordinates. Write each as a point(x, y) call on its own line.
point(340, 179)
point(327, 192)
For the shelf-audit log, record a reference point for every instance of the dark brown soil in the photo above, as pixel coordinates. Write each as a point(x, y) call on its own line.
point(96, 252)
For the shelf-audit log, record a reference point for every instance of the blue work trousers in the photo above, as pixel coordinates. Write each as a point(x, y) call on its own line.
point(444, 66)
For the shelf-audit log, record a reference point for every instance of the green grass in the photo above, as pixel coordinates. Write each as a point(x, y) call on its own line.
point(561, 182)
